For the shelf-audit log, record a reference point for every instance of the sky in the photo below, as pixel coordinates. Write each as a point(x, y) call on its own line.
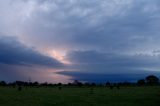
point(87, 40)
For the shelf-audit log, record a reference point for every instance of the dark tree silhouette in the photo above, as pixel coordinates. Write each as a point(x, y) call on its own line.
point(45, 84)
point(59, 84)
point(77, 83)
point(108, 84)
point(80, 84)
point(19, 83)
point(87, 84)
point(69, 84)
point(151, 79)
point(141, 82)
point(35, 83)
point(93, 84)
point(111, 86)
point(3, 83)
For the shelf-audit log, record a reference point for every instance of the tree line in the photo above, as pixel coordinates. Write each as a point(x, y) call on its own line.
point(149, 80)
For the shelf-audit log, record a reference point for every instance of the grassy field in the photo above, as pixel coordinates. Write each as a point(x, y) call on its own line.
point(70, 96)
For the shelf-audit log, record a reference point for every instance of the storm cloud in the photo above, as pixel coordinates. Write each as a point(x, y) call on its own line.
point(102, 25)
point(95, 66)
point(15, 53)
point(77, 36)
point(19, 62)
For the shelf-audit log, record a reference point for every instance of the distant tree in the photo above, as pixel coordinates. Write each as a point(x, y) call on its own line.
point(93, 84)
point(69, 84)
point(3, 83)
point(87, 84)
point(151, 79)
point(111, 86)
point(19, 83)
point(141, 82)
point(80, 84)
point(117, 86)
point(59, 84)
point(13, 84)
point(107, 83)
point(35, 83)
point(30, 83)
point(45, 84)
point(75, 82)
point(50, 85)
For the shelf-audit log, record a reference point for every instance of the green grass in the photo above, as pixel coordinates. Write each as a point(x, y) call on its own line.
point(70, 96)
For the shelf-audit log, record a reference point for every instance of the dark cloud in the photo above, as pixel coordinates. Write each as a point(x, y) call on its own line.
point(15, 53)
point(102, 25)
point(99, 78)
point(115, 61)
point(101, 36)
point(19, 62)
point(92, 65)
